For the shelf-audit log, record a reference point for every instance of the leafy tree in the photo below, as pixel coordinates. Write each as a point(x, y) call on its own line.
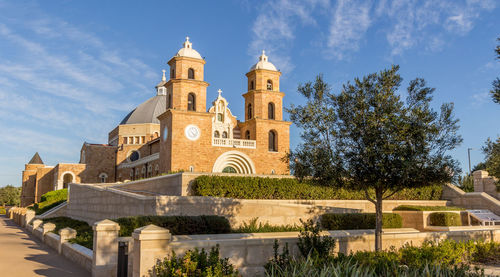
point(479, 166)
point(495, 91)
point(368, 138)
point(492, 152)
point(466, 183)
point(10, 195)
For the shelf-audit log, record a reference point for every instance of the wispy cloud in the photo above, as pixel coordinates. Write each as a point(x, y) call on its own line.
point(406, 24)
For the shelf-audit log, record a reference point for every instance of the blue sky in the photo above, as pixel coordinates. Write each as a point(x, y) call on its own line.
point(71, 70)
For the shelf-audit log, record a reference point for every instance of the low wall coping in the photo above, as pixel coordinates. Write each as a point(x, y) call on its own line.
point(106, 225)
point(151, 232)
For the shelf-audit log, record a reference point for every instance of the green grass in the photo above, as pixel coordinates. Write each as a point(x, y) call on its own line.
point(50, 200)
point(427, 208)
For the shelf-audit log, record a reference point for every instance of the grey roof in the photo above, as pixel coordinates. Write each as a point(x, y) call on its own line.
point(148, 111)
point(36, 159)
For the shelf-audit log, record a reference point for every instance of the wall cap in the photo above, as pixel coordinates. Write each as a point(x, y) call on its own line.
point(151, 232)
point(106, 225)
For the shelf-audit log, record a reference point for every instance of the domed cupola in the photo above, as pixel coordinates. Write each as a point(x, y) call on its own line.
point(263, 63)
point(188, 51)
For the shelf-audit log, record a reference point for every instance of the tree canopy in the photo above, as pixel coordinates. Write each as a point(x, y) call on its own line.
point(368, 137)
point(495, 91)
point(10, 195)
point(492, 153)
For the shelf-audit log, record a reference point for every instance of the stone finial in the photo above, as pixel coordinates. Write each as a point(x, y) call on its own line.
point(48, 227)
point(163, 78)
point(187, 43)
point(37, 223)
point(220, 92)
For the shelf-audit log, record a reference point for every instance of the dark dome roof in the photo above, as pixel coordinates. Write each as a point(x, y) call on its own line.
point(148, 111)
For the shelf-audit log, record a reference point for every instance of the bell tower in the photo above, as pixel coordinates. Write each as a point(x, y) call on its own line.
point(186, 89)
point(263, 99)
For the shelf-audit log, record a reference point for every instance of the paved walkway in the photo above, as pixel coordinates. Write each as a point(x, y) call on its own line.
point(23, 255)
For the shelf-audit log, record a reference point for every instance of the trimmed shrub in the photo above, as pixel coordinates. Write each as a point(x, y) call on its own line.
point(291, 188)
point(427, 208)
point(2, 211)
point(195, 263)
point(178, 225)
point(253, 227)
point(445, 219)
point(50, 200)
point(356, 221)
point(84, 232)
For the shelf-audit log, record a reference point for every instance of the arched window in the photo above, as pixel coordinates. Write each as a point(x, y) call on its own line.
point(103, 177)
point(156, 134)
point(172, 73)
point(150, 170)
point(270, 110)
point(169, 101)
point(224, 134)
point(191, 102)
point(190, 73)
point(249, 111)
point(269, 85)
point(216, 134)
point(252, 85)
point(229, 169)
point(247, 134)
point(273, 139)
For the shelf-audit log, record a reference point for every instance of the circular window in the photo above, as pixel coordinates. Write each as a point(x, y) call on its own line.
point(229, 169)
point(134, 156)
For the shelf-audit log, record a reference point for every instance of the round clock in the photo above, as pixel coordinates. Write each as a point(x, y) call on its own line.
point(165, 133)
point(192, 132)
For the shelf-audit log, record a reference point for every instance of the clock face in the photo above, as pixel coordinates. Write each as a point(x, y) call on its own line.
point(165, 134)
point(192, 132)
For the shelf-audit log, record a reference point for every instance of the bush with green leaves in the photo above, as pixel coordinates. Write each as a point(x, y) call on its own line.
point(253, 227)
point(311, 243)
point(50, 200)
point(445, 219)
point(84, 232)
point(290, 188)
point(427, 208)
point(355, 221)
point(178, 225)
point(195, 263)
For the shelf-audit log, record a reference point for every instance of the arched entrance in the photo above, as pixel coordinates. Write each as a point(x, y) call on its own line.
point(67, 178)
point(234, 162)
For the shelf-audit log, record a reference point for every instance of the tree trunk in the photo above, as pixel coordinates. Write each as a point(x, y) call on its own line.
point(378, 220)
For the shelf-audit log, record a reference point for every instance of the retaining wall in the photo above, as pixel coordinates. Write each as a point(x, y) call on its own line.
point(471, 200)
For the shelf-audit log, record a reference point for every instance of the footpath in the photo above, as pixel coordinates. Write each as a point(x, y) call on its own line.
point(23, 255)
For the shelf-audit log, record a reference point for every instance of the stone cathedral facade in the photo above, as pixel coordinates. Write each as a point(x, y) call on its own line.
point(175, 131)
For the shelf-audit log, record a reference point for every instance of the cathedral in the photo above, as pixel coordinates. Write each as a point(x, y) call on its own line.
point(174, 131)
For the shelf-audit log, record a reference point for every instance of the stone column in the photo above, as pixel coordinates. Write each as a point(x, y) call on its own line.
point(30, 215)
point(37, 223)
point(479, 175)
point(47, 227)
point(150, 244)
point(65, 235)
point(105, 258)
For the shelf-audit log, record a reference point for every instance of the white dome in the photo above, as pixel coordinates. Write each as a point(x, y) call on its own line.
point(188, 51)
point(263, 63)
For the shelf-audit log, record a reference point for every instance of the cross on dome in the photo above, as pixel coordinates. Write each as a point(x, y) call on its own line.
point(219, 91)
point(187, 43)
point(263, 63)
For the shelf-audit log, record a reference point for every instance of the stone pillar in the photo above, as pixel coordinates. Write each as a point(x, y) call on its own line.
point(479, 175)
point(150, 244)
point(105, 258)
point(47, 227)
point(65, 235)
point(30, 215)
point(37, 223)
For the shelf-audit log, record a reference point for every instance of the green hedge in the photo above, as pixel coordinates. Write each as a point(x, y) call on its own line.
point(427, 208)
point(291, 188)
point(356, 221)
point(445, 219)
point(84, 232)
point(50, 200)
point(178, 225)
point(2, 211)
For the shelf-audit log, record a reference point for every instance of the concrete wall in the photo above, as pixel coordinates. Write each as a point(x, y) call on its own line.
point(92, 203)
point(420, 219)
point(78, 254)
point(249, 252)
point(471, 200)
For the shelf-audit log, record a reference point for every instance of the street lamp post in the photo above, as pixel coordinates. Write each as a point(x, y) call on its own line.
point(468, 154)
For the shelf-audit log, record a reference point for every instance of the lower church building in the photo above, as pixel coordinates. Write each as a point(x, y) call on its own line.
point(174, 131)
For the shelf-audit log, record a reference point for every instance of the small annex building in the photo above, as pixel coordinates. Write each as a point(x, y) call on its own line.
point(175, 131)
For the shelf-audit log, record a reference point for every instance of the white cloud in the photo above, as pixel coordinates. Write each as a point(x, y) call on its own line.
point(350, 21)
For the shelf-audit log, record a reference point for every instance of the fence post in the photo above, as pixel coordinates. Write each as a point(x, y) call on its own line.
point(105, 258)
point(30, 214)
point(47, 227)
point(65, 235)
point(150, 244)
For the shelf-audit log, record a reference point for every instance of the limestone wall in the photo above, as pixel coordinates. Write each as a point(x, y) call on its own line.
point(78, 254)
point(471, 200)
point(52, 240)
point(92, 203)
point(485, 183)
point(249, 252)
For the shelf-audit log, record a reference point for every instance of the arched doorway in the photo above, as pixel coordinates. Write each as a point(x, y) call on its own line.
point(234, 162)
point(67, 178)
